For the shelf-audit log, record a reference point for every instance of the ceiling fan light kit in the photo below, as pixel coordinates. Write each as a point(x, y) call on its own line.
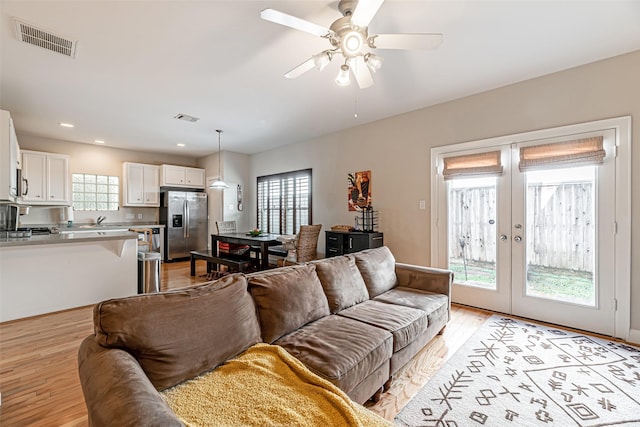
point(349, 37)
point(322, 59)
point(374, 62)
point(343, 78)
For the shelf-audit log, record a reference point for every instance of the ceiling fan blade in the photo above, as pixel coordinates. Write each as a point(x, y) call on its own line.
point(293, 22)
point(361, 71)
point(406, 41)
point(365, 11)
point(300, 69)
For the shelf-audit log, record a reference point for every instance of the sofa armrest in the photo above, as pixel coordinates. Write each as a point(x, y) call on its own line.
point(117, 391)
point(425, 278)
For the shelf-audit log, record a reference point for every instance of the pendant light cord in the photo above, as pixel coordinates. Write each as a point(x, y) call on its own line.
point(219, 156)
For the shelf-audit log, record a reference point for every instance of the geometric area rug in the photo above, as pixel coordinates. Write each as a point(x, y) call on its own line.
point(514, 373)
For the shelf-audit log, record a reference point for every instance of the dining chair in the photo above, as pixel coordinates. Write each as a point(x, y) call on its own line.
point(304, 248)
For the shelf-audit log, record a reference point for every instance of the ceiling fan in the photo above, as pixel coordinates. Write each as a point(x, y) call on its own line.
point(349, 37)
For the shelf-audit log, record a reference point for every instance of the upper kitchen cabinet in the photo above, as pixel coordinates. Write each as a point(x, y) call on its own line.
point(141, 185)
point(46, 178)
point(180, 176)
point(9, 158)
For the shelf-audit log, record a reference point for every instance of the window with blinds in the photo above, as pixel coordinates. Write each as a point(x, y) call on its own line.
point(284, 202)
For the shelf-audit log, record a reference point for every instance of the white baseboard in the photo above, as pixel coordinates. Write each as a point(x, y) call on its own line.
point(634, 336)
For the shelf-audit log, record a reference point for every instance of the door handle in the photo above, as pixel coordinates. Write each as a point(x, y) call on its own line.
point(503, 237)
point(184, 219)
point(517, 239)
point(186, 229)
point(26, 190)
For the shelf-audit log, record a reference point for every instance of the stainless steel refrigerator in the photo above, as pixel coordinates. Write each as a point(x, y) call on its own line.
point(184, 214)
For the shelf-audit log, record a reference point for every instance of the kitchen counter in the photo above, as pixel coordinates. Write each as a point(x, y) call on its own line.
point(84, 236)
point(47, 273)
point(79, 233)
point(106, 226)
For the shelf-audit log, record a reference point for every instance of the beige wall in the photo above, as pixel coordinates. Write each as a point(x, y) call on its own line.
point(99, 159)
point(397, 149)
point(235, 170)
point(90, 158)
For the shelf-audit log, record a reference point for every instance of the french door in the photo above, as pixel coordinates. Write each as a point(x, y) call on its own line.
point(534, 243)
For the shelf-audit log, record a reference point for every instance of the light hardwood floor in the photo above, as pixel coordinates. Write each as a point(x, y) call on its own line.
point(39, 369)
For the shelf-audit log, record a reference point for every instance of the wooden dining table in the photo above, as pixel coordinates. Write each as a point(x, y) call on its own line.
point(245, 238)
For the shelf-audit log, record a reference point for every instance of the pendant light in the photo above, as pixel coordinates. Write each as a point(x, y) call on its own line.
point(219, 182)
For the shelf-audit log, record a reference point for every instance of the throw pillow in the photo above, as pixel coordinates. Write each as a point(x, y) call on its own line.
point(179, 334)
point(378, 269)
point(287, 299)
point(342, 282)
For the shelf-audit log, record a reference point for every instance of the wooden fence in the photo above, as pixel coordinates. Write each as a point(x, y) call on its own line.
point(559, 231)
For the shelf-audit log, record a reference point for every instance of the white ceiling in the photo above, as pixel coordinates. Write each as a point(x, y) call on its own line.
point(139, 63)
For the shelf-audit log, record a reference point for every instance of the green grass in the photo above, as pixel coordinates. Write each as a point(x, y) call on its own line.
point(566, 285)
point(554, 283)
point(481, 274)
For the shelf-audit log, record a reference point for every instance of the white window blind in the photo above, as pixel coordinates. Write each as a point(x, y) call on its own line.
point(579, 152)
point(284, 202)
point(468, 165)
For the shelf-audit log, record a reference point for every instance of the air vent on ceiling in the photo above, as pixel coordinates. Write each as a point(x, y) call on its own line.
point(44, 38)
point(186, 118)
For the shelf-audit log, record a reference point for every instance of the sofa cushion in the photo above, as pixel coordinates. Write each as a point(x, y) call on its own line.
point(342, 282)
point(406, 324)
point(179, 334)
point(435, 305)
point(341, 350)
point(377, 267)
point(287, 298)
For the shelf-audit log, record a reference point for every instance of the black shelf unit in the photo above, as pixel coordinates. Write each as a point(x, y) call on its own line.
point(343, 242)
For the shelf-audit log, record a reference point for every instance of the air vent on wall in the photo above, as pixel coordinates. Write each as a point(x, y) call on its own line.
point(46, 39)
point(186, 118)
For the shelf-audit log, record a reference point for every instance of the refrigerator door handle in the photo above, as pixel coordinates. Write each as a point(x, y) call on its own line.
point(186, 204)
point(185, 225)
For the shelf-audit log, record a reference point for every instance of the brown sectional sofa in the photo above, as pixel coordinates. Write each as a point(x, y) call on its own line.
point(354, 320)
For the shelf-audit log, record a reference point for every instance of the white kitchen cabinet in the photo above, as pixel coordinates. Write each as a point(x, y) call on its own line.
point(181, 176)
point(141, 185)
point(9, 160)
point(46, 178)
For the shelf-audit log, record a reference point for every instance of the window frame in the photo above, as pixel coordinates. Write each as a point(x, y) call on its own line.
point(282, 226)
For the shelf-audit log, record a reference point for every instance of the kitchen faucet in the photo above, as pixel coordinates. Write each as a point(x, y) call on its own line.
point(100, 219)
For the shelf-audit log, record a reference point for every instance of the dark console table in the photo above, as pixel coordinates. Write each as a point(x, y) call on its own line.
point(342, 242)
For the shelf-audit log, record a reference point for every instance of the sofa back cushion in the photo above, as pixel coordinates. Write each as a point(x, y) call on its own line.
point(342, 282)
point(378, 269)
point(287, 299)
point(179, 334)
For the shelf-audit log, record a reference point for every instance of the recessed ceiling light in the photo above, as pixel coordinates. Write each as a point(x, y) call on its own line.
point(66, 125)
point(99, 141)
point(180, 144)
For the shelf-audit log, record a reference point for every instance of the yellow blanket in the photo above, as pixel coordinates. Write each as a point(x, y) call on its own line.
point(265, 386)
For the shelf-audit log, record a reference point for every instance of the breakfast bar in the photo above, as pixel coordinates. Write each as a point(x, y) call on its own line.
point(43, 274)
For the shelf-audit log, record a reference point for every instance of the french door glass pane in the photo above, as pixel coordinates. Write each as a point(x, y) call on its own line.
point(560, 230)
point(472, 231)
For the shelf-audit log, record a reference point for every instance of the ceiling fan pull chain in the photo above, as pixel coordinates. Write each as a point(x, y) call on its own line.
point(355, 107)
